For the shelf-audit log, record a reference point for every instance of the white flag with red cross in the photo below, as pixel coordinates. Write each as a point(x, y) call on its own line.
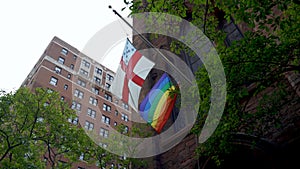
point(130, 75)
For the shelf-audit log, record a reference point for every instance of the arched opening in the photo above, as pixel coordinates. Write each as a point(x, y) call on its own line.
point(250, 152)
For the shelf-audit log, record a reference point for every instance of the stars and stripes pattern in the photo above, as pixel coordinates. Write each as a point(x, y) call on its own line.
point(130, 75)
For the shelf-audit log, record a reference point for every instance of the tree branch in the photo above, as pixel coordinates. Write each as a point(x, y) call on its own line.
point(35, 118)
point(9, 148)
point(205, 16)
point(49, 153)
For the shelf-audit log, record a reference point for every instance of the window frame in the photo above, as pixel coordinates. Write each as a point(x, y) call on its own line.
point(61, 60)
point(89, 125)
point(97, 80)
point(53, 81)
point(109, 77)
point(64, 51)
point(74, 121)
point(124, 117)
point(85, 63)
point(105, 119)
point(93, 101)
point(84, 72)
point(58, 69)
point(95, 90)
point(98, 71)
point(106, 107)
point(81, 83)
point(125, 106)
point(76, 106)
point(91, 113)
point(108, 97)
point(79, 94)
point(104, 132)
point(107, 86)
point(66, 87)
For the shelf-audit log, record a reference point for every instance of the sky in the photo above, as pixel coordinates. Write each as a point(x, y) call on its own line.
point(28, 26)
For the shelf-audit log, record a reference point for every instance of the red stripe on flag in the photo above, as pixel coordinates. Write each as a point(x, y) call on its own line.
point(138, 80)
point(133, 61)
point(130, 75)
point(166, 114)
point(125, 92)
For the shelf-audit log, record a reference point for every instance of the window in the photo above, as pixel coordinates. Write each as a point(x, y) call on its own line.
point(73, 120)
point(116, 113)
point(80, 168)
point(108, 97)
point(61, 60)
point(74, 57)
point(57, 70)
point(81, 83)
point(46, 104)
point(125, 106)
point(97, 80)
point(85, 63)
point(69, 76)
point(103, 145)
point(103, 132)
point(62, 98)
point(83, 72)
point(89, 126)
point(109, 77)
point(124, 117)
point(107, 86)
point(126, 129)
point(106, 107)
point(76, 106)
point(50, 90)
point(78, 94)
point(72, 66)
point(91, 113)
point(28, 155)
point(93, 101)
point(66, 87)
point(64, 51)
point(53, 81)
point(81, 157)
point(98, 71)
point(115, 123)
point(95, 90)
point(40, 119)
point(105, 119)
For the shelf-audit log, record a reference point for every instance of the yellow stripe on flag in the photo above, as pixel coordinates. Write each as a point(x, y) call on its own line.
point(160, 109)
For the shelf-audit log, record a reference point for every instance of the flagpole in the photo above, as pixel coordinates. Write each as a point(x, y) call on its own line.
point(150, 44)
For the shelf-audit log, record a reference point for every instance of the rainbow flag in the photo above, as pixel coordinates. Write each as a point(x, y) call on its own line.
point(157, 105)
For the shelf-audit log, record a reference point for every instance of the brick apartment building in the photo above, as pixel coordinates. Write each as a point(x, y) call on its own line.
point(84, 84)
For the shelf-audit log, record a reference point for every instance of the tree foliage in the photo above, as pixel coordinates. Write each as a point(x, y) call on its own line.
point(34, 125)
point(35, 132)
point(268, 50)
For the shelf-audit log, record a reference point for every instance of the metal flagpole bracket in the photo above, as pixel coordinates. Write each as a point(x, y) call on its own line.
point(151, 45)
